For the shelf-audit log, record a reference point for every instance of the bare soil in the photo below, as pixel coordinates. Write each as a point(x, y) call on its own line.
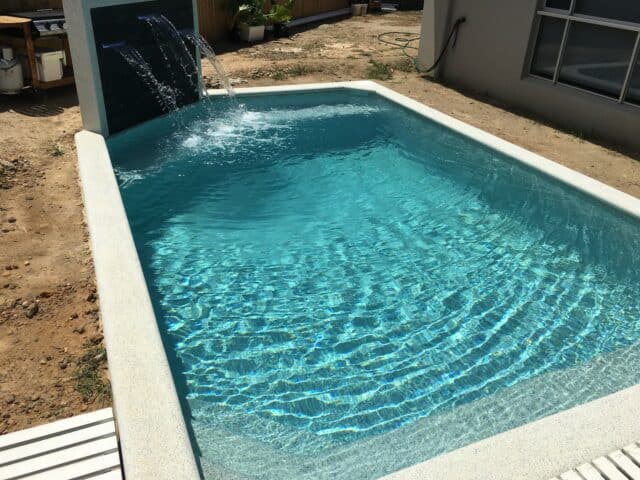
point(52, 363)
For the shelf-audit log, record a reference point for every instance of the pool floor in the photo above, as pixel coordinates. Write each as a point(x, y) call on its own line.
point(346, 288)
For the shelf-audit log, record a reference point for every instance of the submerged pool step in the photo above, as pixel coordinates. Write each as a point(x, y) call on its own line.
point(84, 446)
point(618, 465)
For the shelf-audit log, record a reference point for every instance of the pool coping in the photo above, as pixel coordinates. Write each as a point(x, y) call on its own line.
point(153, 434)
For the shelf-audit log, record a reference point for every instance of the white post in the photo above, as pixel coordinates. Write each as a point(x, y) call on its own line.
point(434, 23)
point(85, 65)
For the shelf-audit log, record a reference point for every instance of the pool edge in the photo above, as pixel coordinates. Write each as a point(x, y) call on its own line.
point(150, 449)
point(539, 449)
point(592, 187)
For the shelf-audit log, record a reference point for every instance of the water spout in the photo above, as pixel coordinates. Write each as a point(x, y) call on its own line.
point(207, 50)
point(113, 45)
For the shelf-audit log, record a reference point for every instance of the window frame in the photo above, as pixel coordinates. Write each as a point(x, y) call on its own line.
point(569, 17)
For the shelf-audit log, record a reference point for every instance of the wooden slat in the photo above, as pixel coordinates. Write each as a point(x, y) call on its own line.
point(621, 464)
point(50, 461)
point(92, 466)
point(112, 475)
point(625, 464)
point(84, 447)
point(57, 83)
point(608, 469)
point(633, 451)
point(80, 421)
point(589, 472)
point(57, 442)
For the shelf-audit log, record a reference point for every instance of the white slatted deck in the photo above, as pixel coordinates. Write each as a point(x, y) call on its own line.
point(618, 465)
point(81, 447)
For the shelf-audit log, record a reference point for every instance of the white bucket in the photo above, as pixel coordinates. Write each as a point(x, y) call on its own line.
point(356, 9)
point(363, 8)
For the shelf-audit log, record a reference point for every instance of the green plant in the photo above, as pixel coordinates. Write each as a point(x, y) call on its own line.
point(250, 12)
point(299, 69)
point(280, 12)
point(404, 64)
point(56, 150)
point(379, 70)
point(278, 75)
point(89, 382)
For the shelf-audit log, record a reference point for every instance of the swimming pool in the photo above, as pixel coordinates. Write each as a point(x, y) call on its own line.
point(346, 288)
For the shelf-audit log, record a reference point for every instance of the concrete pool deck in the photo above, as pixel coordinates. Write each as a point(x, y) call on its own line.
point(153, 435)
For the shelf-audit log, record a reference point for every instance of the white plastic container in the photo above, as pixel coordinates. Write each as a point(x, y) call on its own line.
point(49, 65)
point(251, 33)
point(359, 9)
point(11, 81)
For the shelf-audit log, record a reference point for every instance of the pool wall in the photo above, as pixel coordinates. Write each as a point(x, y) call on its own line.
point(153, 434)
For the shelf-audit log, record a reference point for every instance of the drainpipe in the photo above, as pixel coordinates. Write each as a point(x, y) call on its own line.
point(435, 15)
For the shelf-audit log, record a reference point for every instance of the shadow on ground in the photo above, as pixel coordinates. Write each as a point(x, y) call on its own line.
point(41, 103)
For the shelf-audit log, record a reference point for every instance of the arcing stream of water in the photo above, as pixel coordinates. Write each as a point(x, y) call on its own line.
point(174, 50)
point(207, 50)
point(164, 94)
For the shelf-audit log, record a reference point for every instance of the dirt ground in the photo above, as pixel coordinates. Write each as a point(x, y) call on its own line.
point(52, 363)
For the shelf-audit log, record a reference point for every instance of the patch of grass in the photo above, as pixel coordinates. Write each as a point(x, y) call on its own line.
point(88, 381)
point(404, 65)
point(295, 71)
point(299, 70)
point(56, 150)
point(379, 70)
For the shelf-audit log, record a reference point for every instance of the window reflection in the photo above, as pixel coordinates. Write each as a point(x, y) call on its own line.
point(560, 4)
point(548, 45)
point(625, 10)
point(597, 58)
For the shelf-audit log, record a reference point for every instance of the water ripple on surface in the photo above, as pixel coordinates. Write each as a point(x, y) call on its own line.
point(336, 279)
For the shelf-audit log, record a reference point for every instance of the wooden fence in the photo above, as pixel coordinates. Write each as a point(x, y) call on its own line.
point(214, 16)
point(306, 8)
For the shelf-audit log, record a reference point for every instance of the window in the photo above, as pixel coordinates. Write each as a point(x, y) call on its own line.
point(634, 86)
point(590, 44)
point(623, 10)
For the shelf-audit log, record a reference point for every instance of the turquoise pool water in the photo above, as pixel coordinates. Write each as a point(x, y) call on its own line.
point(346, 288)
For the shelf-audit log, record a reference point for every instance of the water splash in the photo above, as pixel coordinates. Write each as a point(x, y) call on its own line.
point(207, 50)
point(232, 132)
point(229, 135)
point(172, 48)
point(164, 94)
